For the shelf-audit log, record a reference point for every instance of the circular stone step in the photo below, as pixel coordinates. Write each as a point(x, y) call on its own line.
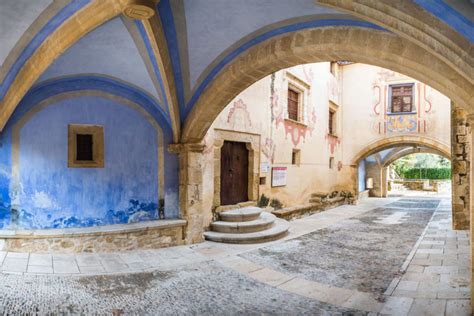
point(243, 214)
point(277, 231)
point(265, 221)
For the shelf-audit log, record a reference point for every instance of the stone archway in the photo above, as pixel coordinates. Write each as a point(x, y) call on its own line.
point(392, 158)
point(405, 140)
point(369, 46)
point(380, 170)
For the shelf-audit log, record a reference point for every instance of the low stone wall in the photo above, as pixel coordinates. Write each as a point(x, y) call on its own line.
point(144, 235)
point(319, 202)
point(417, 185)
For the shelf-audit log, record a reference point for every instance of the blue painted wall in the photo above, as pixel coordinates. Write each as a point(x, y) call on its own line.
point(51, 195)
point(362, 174)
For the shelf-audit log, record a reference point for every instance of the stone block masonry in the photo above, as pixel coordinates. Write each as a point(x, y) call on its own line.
point(460, 153)
point(142, 235)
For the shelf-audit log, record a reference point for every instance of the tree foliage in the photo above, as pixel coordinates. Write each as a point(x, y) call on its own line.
point(423, 166)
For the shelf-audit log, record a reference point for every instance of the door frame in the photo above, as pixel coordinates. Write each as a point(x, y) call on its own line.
point(252, 142)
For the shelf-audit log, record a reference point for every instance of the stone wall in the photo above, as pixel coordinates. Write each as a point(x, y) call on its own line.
point(460, 145)
point(146, 235)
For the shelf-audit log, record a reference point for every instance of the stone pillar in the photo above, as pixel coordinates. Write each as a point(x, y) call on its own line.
point(384, 180)
point(374, 171)
point(191, 189)
point(470, 123)
point(460, 159)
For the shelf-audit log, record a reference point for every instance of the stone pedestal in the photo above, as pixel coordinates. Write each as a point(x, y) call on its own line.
point(191, 189)
point(460, 153)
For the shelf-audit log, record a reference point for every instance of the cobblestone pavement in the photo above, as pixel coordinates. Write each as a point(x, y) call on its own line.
point(210, 278)
point(207, 289)
point(353, 253)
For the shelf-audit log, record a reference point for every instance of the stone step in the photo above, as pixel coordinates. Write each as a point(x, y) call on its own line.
point(278, 230)
point(265, 221)
point(243, 214)
point(298, 210)
point(319, 194)
point(248, 203)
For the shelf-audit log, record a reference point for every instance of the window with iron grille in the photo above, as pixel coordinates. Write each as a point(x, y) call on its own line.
point(401, 98)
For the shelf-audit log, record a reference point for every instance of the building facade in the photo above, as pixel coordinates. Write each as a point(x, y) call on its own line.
point(316, 128)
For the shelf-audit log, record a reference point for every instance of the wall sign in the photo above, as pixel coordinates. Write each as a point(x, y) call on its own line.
point(264, 167)
point(279, 176)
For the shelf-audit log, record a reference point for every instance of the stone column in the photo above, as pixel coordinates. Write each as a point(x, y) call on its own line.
point(460, 159)
point(374, 171)
point(191, 189)
point(384, 177)
point(470, 123)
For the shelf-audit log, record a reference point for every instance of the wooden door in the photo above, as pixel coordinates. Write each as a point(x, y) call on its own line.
point(234, 173)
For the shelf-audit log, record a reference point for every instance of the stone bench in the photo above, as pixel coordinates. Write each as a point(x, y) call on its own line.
point(298, 210)
point(109, 238)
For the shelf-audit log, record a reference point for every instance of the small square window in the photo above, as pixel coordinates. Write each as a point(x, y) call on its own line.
point(295, 157)
point(263, 180)
point(331, 162)
point(85, 146)
point(401, 98)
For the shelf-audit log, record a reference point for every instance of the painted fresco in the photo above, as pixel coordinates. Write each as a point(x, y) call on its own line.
point(402, 123)
point(385, 122)
point(44, 193)
point(296, 130)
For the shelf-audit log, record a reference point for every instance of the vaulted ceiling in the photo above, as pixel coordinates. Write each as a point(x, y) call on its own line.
point(173, 52)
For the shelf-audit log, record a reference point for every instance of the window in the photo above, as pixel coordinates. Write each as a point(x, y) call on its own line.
point(295, 157)
point(331, 122)
point(297, 96)
point(332, 118)
point(293, 104)
point(332, 67)
point(401, 98)
point(331, 162)
point(85, 146)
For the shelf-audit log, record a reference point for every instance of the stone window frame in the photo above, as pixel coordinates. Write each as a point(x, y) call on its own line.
point(303, 88)
point(97, 132)
point(252, 142)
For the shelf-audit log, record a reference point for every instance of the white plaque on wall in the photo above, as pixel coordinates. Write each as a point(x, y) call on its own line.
point(279, 176)
point(264, 167)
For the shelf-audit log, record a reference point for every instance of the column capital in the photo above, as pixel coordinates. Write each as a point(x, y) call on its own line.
point(189, 147)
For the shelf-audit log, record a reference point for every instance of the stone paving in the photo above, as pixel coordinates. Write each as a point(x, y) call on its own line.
point(210, 278)
point(352, 253)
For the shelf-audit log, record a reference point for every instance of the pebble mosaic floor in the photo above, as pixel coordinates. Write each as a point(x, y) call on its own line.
point(396, 256)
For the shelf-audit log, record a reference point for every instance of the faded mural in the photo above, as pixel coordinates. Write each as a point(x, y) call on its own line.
point(386, 123)
point(39, 191)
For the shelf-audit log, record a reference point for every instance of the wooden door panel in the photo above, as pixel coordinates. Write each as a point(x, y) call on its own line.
point(234, 173)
